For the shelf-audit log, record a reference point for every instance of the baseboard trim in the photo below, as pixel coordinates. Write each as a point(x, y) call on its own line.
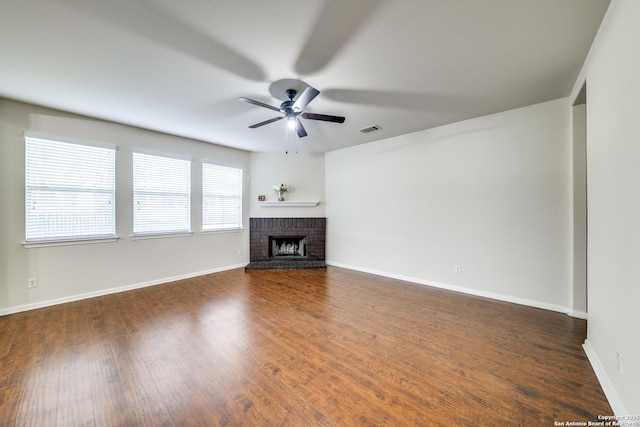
point(578, 314)
point(78, 297)
point(605, 382)
point(469, 291)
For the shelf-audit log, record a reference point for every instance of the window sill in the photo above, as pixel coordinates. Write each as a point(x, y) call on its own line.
point(160, 235)
point(223, 230)
point(49, 243)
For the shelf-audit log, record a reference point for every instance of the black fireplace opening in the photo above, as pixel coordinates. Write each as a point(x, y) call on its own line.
point(287, 246)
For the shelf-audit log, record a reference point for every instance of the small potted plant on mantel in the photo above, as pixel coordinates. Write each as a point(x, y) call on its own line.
point(280, 189)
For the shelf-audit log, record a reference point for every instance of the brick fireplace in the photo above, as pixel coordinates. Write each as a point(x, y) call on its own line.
point(286, 243)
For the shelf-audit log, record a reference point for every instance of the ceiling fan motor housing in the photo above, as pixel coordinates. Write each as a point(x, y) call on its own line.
point(287, 106)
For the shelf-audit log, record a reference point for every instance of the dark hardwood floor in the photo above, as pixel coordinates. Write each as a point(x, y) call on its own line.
point(298, 348)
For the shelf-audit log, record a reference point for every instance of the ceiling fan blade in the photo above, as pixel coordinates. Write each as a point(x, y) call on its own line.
point(345, 19)
point(305, 98)
point(258, 103)
point(323, 117)
point(266, 122)
point(300, 129)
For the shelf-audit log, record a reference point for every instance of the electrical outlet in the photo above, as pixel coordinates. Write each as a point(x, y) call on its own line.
point(619, 361)
point(32, 282)
point(458, 269)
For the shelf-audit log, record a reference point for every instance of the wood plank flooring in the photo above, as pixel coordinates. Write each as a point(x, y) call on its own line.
point(294, 348)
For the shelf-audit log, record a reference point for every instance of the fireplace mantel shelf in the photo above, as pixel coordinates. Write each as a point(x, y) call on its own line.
point(288, 204)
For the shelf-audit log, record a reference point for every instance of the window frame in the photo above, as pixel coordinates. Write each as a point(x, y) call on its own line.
point(239, 226)
point(187, 231)
point(29, 187)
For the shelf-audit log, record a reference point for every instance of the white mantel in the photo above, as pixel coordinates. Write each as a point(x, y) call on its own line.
point(288, 204)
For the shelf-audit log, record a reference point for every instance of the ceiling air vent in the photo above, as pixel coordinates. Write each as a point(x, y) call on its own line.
point(373, 128)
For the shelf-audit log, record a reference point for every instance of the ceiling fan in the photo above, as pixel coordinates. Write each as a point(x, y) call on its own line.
point(293, 110)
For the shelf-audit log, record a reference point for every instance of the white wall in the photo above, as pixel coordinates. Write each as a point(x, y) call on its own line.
point(302, 172)
point(66, 272)
point(491, 195)
point(612, 74)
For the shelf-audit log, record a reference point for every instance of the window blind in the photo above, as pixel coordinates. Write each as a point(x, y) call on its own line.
point(161, 194)
point(69, 191)
point(221, 197)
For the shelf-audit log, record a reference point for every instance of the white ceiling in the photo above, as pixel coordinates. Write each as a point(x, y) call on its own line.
point(179, 66)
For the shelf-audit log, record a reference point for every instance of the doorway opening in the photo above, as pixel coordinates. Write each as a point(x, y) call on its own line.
point(579, 302)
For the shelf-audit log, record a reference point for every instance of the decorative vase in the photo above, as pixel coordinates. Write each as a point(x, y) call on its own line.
point(280, 197)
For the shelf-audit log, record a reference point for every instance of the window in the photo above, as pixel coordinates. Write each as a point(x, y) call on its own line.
point(70, 191)
point(161, 194)
point(221, 197)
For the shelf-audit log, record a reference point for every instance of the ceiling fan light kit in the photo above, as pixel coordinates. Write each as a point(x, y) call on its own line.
point(293, 110)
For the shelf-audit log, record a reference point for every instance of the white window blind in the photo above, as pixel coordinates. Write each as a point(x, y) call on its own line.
point(221, 197)
point(161, 194)
point(70, 191)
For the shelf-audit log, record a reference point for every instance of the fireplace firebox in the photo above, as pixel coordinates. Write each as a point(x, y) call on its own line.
point(287, 246)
